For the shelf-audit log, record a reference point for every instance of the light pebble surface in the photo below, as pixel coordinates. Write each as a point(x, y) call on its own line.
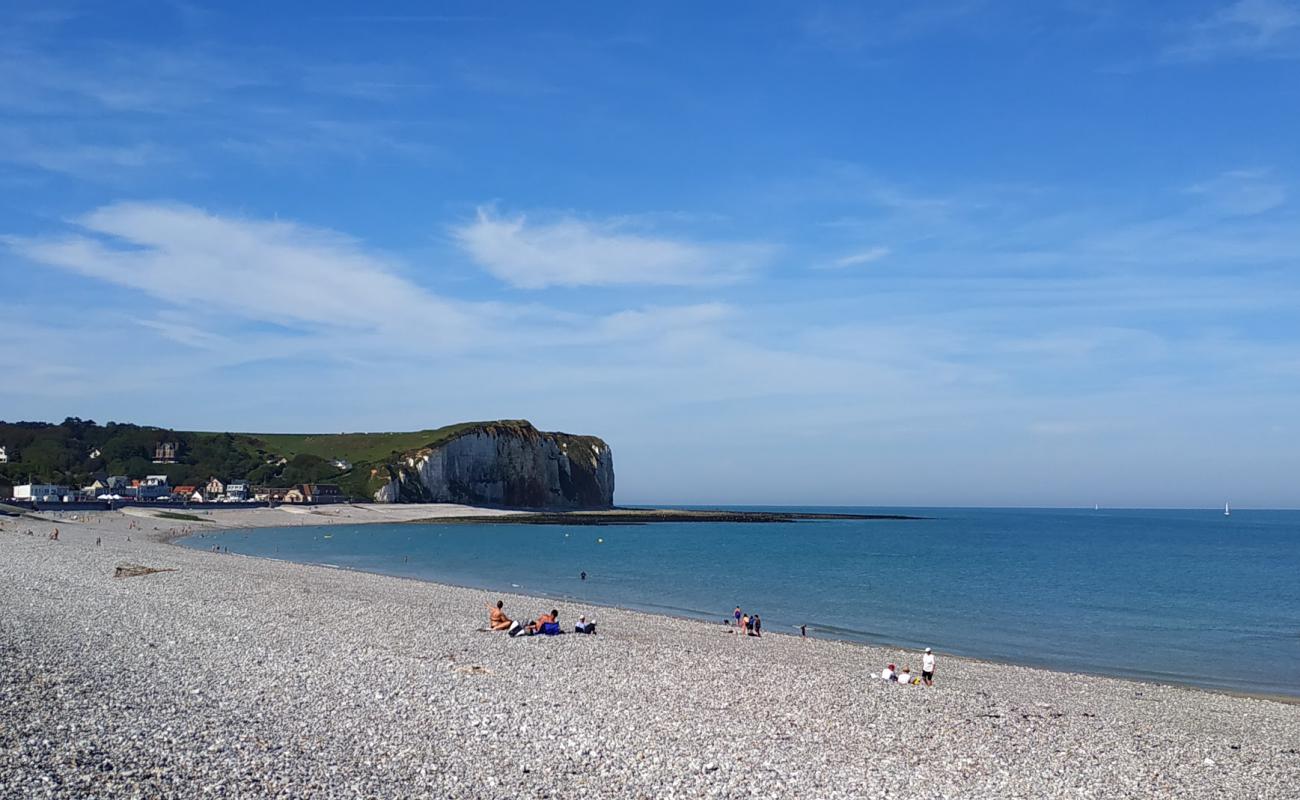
point(240, 677)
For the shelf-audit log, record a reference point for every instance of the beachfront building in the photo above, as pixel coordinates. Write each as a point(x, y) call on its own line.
point(152, 487)
point(40, 492)
point(322, 493)
point(186, 492)
point(166, 453)
point(4, 455)
point(272, 494)
point(238, 491)
point(214, 488)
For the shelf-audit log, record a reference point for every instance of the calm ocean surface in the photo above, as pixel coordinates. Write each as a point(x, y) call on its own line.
point(1187, 596)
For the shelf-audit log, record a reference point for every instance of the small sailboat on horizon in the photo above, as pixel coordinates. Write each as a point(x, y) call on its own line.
point(1227, 512)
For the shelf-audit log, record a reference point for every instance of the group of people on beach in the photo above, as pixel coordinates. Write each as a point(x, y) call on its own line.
point(905, 676)
point(749, 624)
point(545, 624)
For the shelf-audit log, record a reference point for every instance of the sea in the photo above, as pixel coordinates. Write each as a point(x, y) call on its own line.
point(1183, 596)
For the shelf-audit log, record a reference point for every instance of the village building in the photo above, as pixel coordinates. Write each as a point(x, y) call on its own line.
point(322, 493)
point(214, 488)
point(185, 492)
point(166, 453)
point(40, 492)
point(295, 495)
point(272, 494)
point(238, 491)
point(152, 487)
point(4, 455)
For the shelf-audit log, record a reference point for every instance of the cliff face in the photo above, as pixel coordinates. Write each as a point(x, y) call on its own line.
point(509, 464)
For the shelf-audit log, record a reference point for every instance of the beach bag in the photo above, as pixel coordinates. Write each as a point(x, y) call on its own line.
point(515, 628)
point(550, 628)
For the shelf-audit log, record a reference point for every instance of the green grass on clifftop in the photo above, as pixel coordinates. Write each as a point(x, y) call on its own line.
point(369, 447)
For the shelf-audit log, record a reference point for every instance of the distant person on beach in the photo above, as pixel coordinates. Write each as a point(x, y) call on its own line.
point(888, 674)
point(758, 626)
point(927, 667)
point(745, 624)
point(905, 677)
point(497, 619)
point(583, 626)
point(803, 630)
point(737, 615)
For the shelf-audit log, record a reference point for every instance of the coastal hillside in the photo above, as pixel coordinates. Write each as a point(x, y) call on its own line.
point(504, 462)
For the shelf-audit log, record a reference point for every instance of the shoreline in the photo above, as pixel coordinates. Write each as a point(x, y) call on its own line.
point(414, 514)
point(650, 516)
point(261, 677)
point(681, 617)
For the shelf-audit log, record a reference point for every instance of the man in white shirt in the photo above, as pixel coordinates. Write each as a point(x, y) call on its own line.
point(887, 674)
point(927, 667)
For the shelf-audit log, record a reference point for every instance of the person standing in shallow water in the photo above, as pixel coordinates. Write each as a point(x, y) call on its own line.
point(736, 614)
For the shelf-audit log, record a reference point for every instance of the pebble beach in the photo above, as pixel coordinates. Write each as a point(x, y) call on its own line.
point(229, 676)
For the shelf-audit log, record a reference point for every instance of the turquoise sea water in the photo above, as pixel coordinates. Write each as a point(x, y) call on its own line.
point(1187, 596)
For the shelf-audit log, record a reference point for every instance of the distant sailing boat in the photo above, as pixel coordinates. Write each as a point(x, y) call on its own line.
point(1096, 507)
point(1227, 512)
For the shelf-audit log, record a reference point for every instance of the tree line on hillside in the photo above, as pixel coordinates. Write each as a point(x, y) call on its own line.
point(76, 451)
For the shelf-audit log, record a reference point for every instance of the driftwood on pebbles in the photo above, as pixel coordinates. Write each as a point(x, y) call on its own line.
point(136, 570)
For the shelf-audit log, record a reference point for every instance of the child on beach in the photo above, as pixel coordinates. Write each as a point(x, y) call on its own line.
point(888, 674)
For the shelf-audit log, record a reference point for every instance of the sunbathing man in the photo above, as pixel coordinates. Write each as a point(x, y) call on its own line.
point(536, 626)
point(497, 619)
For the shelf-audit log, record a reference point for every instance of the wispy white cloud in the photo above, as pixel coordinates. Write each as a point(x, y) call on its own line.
point(1241, 28)
point(1242, 192)
point(577, 252)
point(864, 257)
point(63, 152)
point(274, 272)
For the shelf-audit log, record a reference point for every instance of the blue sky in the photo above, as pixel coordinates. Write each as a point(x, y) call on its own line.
point(964, 253)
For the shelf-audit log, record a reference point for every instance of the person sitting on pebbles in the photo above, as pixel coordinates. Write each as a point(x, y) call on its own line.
point(497, 619)
point(905, 677)
point(583, 626)
point(888, 673)
point(544, 619)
